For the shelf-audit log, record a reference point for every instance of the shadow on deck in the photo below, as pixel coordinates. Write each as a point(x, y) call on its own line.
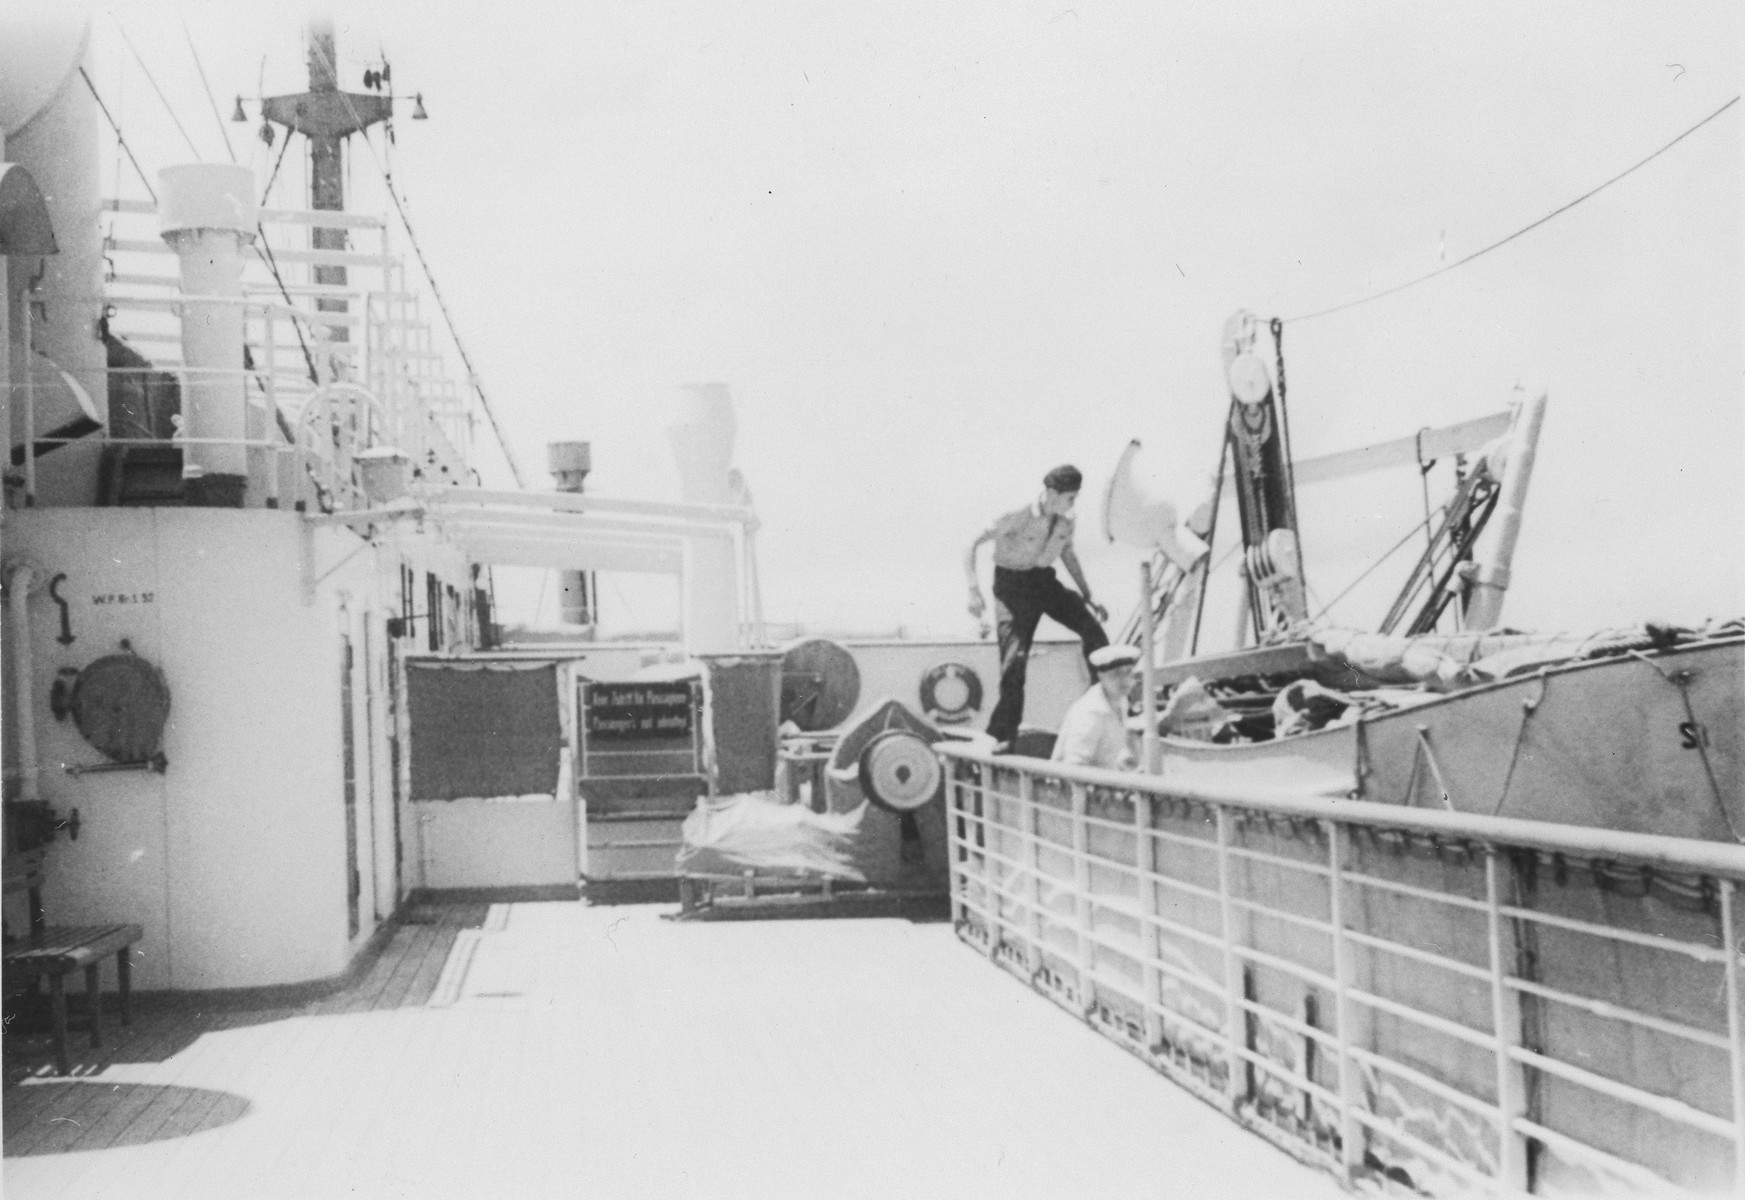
point(57, 1116)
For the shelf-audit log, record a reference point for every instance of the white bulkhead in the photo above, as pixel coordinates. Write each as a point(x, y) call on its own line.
point(265, 851)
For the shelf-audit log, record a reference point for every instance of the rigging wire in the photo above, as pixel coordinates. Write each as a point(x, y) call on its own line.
point(168, 107)
point(1424, 482)
point(1232, 552)
point(120, 100)
point(265, 253)
point(1442, 270)
point(223, 134)
point(119, 140)
point(1368, 571)
point(264, 250)
point(448, 319)
point(273, 176)
point(1212, 540)
point(430, 278)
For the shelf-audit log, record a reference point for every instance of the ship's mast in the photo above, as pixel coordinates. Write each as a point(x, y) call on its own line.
point(326, 116)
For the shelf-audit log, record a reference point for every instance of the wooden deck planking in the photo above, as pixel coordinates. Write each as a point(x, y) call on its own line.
point(323, 1103)
point(416, 974)
point(298, 1107)
point(605, 1051)
point(167, 1022)
point(415, 971)
point(222, 1069)
point(181, 1119)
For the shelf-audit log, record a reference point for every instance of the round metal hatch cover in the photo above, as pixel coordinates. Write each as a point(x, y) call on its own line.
point(899, 771)
point(820, 684)
point(120, 704)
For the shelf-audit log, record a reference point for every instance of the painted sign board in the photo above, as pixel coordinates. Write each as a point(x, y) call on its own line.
point(621, 712)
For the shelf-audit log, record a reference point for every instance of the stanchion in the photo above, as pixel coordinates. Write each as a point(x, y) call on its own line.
point(1147, 671)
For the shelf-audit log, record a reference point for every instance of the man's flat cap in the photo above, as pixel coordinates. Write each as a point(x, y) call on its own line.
point(1063, 479)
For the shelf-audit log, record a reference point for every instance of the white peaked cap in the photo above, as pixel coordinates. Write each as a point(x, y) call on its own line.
point(1110, 657)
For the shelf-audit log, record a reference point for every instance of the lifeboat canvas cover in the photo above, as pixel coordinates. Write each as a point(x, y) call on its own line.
point(483, 730)
point(725, 835)
point(857, 840)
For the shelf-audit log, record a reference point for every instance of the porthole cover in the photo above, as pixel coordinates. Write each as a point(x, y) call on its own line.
point(120, 704)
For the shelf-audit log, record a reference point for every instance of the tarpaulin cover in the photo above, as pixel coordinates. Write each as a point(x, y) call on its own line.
point(1192, 713)
point(482, 730)
point(725, 835)
point(1448, 662)
point(1304, 705)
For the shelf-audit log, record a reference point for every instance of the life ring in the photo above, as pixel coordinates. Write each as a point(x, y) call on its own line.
point(951, 693)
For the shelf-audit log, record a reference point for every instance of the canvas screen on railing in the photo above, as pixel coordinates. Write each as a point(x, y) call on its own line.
point(483, 731)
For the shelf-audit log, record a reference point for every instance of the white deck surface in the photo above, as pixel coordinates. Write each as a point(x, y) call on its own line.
point(605, 1052)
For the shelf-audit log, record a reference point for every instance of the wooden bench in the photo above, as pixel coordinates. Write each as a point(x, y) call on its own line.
point(58, 951)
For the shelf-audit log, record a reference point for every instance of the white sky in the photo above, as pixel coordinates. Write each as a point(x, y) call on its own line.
point(938, 249)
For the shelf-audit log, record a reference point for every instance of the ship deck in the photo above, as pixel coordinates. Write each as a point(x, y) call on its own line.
point(558, 1049)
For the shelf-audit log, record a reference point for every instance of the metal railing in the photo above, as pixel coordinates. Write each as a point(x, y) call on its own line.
point(304, 335)
point(317, 428)
point(1468, 1003)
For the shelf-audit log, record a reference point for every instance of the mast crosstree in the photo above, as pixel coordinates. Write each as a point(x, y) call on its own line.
point(326, 116)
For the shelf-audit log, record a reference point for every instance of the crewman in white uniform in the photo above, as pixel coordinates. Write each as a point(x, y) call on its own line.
point(1094, 732)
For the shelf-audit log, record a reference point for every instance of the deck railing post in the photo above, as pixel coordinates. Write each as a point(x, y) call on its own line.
point(1081, 871)
point(1233, 997)
point(1033, 854)
point(325, 446)
point(269, 426)
point(990, 870)
point(953, 805)
point(1350, 1136)
point(1736, 1060)
point(29, 407)
point(1145, 869)
point(1506, 1023)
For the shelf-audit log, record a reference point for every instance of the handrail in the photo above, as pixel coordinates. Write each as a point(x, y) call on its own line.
point(372, 337)
point(176, 302)
point(1131, 877)
point(725, 514)
point(1647, 849)
point(268, 216)
point(320, 258)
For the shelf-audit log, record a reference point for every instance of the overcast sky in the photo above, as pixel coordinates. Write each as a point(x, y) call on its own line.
point(937, 249)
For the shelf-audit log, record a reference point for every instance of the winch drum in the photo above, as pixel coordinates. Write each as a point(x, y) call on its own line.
point(899, 771)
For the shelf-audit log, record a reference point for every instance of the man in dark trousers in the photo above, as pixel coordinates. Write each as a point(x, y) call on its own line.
point(1026, 543)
